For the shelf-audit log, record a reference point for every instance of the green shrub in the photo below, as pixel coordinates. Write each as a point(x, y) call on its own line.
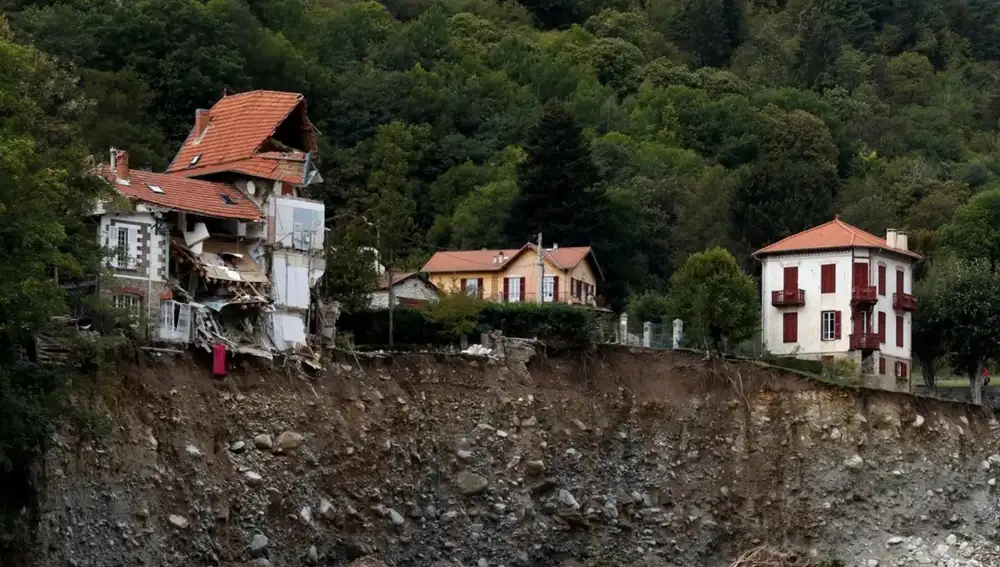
point(442, 323)
point(804, 365)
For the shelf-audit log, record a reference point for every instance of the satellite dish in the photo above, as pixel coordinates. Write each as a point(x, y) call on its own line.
point(251, 188)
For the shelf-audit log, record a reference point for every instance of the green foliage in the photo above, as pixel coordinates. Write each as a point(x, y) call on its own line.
point(456, 314)
point(649, 306)
point(715, 299)
point(842, 369)
point(972, 232)
point(800, 364)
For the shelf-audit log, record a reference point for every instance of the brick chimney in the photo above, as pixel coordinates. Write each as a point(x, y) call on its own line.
point(201, 119)
point(120, 163)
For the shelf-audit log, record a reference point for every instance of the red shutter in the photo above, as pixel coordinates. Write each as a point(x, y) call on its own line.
point(860, 275)
point(899, 330)
point(522, 289)
point(899, 282)
point(555, 288)
point(836, 325)
point(881, 366)
point(791, 327)
point(902, 370)
point(506, 289)
point(465, 284)
point(791, 278)
point(881, 326)
point(479, 284)
point(828, 278)
point(881, 281)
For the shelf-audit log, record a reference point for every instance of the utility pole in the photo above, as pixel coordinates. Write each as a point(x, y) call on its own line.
point(541, 271)
point(392, 296)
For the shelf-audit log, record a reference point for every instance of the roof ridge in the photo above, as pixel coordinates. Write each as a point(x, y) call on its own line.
point(806, 231)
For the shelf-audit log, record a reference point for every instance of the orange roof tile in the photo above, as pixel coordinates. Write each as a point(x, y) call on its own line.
point(483, 260)
point(287, 170)
point(238, 125)
point(177, 192)
point(834, 234)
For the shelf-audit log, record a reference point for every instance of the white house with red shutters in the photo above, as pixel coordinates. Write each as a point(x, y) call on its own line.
point(836, 291)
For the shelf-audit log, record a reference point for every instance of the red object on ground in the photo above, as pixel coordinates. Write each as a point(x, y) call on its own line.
point(219, 360)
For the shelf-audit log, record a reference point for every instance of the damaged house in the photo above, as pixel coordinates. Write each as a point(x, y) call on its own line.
point(223, 246)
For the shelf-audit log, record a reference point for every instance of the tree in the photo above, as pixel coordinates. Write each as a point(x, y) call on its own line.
point(717, 301)
point(557, 180)
point(929, 326)
point(711, 29)
point(972, 232)
point(966, 307)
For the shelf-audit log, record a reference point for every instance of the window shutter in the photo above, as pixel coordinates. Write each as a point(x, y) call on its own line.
point(899, 330)
point(521, 299)
point(881, 366)
point(828, 278)
point(902, 370)
point(881, 326)
point(465, 286)
point(836, 324)
point(479, 288)
point(506, 289)
point(791, 327)
point(881, 281)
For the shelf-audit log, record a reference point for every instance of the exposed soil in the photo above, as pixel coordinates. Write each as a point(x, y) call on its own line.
point(619, 457)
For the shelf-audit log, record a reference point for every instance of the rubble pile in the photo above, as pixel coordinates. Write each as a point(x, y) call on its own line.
point(447, 461)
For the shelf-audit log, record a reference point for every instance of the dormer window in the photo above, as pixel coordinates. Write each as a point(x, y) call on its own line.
point(155, 188)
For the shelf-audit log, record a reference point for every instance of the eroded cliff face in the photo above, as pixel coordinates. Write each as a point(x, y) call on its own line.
point(615, 457)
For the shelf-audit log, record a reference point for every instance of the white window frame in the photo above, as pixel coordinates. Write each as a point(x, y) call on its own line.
point(128, 302)
point(123, 253)
point(514, 289)
point(828, 325)
point(175, 320)
point(548, 289)
point(472, 287)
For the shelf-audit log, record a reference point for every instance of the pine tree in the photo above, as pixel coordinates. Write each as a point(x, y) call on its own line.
point(557, 181)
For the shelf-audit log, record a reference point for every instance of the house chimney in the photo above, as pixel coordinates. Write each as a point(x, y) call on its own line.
point(201, 119)
point(890, 237)
point(902, 241)
point(120, 164)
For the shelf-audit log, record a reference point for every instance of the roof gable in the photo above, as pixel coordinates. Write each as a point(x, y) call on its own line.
point(831, 235)
point(454, 261)
point(183, 194)
point(237, 127)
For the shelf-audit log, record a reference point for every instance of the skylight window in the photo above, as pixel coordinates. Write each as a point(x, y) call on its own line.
point(194, 160)
point(155, 188)
point(227, 199)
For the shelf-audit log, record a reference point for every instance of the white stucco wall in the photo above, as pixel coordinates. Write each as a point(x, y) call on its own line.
point(148, 247)
point(810, 343)
point(413, 288)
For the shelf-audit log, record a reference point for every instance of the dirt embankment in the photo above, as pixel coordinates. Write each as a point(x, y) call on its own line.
point(615, 458)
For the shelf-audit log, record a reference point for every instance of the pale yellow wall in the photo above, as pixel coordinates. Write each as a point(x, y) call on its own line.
point(522, 266)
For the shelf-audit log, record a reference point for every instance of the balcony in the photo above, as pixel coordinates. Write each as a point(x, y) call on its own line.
point(865, 341)
point(904, 302)
point(863, 294)
point(788, 298)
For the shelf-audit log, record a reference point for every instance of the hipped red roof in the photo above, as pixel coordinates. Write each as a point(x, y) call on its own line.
point(238, 125)
point(834, 234)
point(183, 194)
point(483, 260)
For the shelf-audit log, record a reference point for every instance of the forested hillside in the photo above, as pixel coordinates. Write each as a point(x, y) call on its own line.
point(651, 129)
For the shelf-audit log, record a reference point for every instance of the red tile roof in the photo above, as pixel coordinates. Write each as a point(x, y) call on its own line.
point(183, 194)
point(278, 169)
point(238, 125)
point(483, 260)
point(834, 234)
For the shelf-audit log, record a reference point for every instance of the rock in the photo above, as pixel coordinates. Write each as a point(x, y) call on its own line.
point(288, 441)
point(253, 478)
point(313, 554)
point(895, 540)
point(529, 422)
point(872, 563)
point(263, 442)
point(262, 562)
point(258, 544)
point(326, 510)
point(179, 522)
point(469, 483)
point(368, 562)
point(193, 451)
point(534, 468)
point(567, 499)
point(142, 512)
point(305, 515)
point(992, 482)
point(464, 454)
point(238, 447)
point(918, 421)
point(274, 496)
point(396, 518)
point(952, 539)
point(854, 463)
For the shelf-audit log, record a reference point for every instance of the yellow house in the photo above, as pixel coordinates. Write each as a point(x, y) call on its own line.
point(570, 274)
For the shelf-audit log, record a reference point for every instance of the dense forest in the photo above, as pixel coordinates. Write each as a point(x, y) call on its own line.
point(649, 129)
